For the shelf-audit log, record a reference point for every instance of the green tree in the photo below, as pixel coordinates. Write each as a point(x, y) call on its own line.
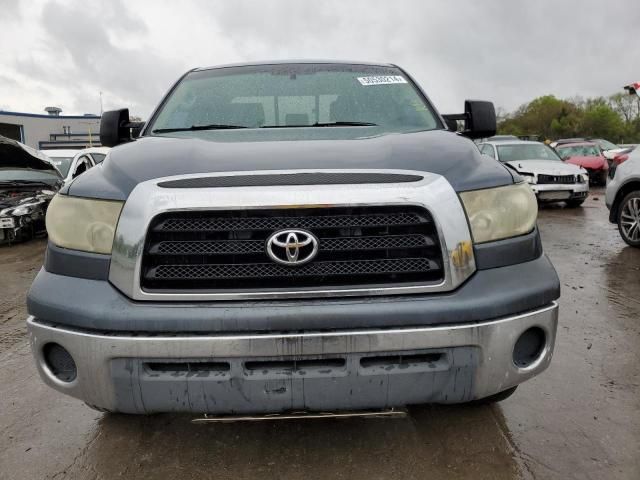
point(625, 105)
point(616, 118)
point(601, 121)
point(546, 116)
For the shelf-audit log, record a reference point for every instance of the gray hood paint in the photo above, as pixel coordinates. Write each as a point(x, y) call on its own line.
point(437, 151)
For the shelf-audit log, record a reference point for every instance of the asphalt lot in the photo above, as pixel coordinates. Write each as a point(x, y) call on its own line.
point(579, 419)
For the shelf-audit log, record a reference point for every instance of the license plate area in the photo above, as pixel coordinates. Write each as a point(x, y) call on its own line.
point(562, 195)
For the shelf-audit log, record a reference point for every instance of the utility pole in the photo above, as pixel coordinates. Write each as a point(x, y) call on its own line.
point(101, 103)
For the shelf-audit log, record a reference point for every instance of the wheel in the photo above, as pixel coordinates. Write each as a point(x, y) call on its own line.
point(629, 219)
point(496, 397)
point(575, 203)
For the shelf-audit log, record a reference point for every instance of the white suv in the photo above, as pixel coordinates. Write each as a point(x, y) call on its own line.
point(623, 199)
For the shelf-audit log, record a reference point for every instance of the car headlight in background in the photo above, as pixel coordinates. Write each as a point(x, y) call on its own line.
point(25, 209)
point(502, 212)
point(583, 178)
point(83, 223)
point(20, 210)
point(528, 177)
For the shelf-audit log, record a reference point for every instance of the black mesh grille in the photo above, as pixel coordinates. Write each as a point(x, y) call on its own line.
point(271, 270)
point(557, 179)
point(218, 224)
point(226, 251)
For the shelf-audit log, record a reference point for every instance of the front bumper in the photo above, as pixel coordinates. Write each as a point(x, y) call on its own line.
point(274, 372)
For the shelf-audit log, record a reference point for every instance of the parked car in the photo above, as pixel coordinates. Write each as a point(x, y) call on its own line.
point(551, 179)
point(609, 149)
point(97, 154)
point(73, 163)
point(293, 236)
point(502, 138)
point(623, 199)
point(28, 181)
point(564, 141)
point(588, 156)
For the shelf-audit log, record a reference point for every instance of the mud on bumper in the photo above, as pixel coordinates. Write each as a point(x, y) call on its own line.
point(274, 372)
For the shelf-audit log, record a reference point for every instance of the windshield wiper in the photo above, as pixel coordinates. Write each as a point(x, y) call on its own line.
point(325, 124)
point(212, 126)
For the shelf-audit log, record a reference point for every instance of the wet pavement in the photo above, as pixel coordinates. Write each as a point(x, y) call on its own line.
point(579, 419)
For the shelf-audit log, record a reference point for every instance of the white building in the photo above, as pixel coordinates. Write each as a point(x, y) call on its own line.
point(51, 130)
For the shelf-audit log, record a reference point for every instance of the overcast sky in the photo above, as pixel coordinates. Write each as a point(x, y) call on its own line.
point(63, 53)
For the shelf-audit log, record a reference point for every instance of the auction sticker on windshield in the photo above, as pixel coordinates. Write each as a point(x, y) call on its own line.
point(381, 80)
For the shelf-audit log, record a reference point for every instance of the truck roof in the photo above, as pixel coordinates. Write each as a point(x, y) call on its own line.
point(294, 61)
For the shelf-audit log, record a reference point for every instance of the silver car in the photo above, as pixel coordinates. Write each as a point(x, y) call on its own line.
point(551, 179)
point(623, 199)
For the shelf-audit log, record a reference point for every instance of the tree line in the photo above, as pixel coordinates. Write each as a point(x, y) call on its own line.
point(615, 118)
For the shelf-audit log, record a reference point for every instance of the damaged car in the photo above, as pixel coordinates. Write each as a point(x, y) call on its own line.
point(28, 181)
point(551, 179)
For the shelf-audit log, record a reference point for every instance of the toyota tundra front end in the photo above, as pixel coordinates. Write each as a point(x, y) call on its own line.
point(293, 236)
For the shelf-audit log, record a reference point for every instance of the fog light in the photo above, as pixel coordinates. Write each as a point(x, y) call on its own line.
point(59, 362)
point(529, 347)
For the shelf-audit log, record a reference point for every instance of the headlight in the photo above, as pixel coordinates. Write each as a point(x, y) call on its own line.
point(528, 178)
point(503, 212)
point(83, 223)
point(584, 178)
point(21, 210)
point(25, 209)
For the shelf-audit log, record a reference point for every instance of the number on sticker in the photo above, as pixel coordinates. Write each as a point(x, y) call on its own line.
point(381, 80)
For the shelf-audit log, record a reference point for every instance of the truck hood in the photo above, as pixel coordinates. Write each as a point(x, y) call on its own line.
point(546, 167)
point(437, 151)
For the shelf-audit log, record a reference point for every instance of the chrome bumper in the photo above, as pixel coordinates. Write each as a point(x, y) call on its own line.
point(108, 366)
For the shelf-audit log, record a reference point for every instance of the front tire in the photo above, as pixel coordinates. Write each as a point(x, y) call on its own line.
point(629, 219)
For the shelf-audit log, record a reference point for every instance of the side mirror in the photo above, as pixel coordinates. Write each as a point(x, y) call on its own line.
point(452, 125)
point(136, 129)
point(479, 119)
point(117, 128)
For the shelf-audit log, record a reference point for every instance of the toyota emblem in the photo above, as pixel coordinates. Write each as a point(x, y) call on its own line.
point(292, 247)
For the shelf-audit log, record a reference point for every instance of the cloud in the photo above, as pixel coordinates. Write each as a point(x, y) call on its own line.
point(508, 52)
point(9, 11)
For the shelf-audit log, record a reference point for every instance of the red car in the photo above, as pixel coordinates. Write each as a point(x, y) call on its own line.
point(587, 155)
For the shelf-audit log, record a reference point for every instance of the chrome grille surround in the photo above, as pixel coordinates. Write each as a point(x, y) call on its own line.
point(433, 193)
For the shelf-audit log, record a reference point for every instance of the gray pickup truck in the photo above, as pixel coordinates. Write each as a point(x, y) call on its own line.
point(293, 236)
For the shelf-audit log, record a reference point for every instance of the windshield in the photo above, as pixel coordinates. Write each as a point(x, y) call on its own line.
point(533, 151)
point(586, 150)
point(62, 164)
point(296, 95)
point(9, 175)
